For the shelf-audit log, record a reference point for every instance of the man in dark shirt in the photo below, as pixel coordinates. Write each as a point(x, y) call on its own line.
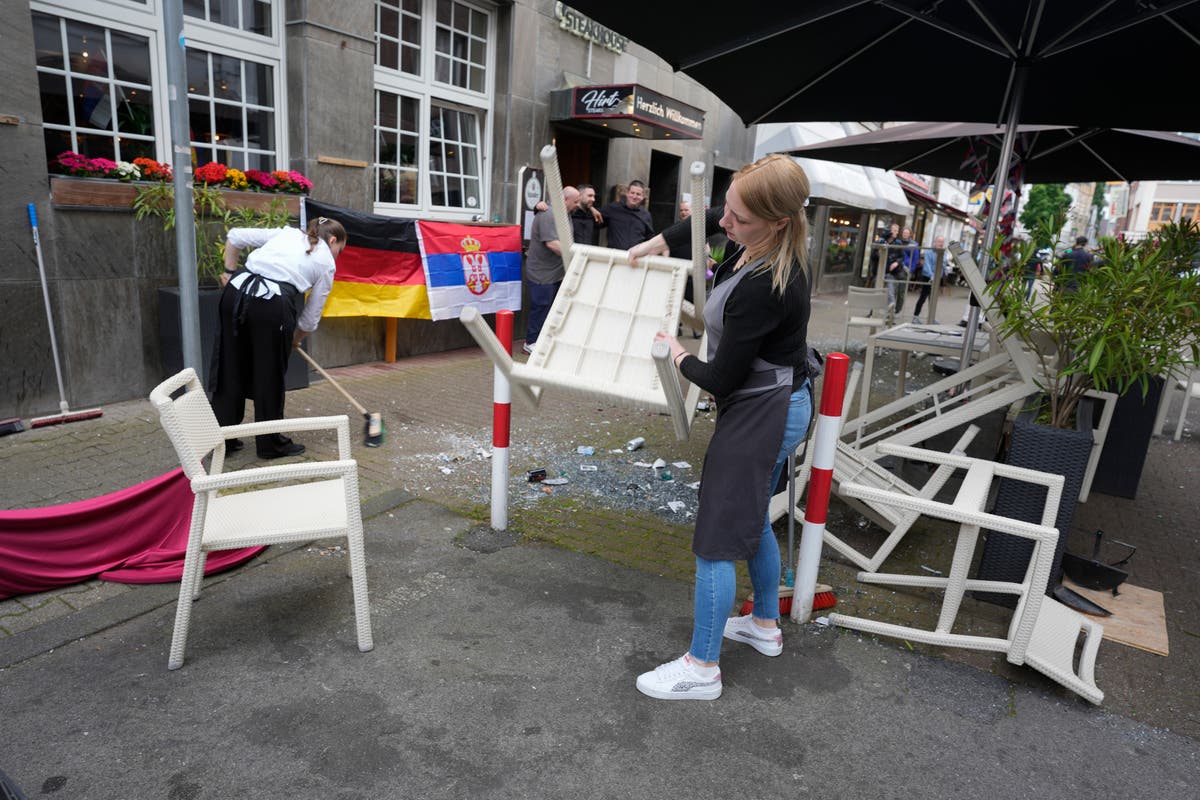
point(584, 218)
point(627, 222)
point(1073, 265)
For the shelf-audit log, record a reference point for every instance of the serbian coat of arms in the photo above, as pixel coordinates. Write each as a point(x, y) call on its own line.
point(476, 271)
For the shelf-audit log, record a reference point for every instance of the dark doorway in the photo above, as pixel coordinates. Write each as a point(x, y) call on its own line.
point(581, 158)
point(664, 188)
point(721, 179)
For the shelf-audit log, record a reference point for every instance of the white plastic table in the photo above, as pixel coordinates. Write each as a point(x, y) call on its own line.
point(944, 340)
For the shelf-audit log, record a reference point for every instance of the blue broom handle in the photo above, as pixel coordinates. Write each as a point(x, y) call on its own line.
point(37, 245)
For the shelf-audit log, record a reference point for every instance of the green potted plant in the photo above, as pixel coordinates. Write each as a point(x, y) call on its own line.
point(1133, 316)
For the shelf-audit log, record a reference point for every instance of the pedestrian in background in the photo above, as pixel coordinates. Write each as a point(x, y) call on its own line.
point(757, 322)
point(1074, 264)
point(264, 316)
point(928, 265)
point(901, 259)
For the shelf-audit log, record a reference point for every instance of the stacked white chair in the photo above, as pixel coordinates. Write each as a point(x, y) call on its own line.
point(268, 505)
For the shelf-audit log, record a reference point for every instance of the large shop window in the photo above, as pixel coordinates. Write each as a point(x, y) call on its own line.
point(102, 77)
point(96, 89)
point(432, 105)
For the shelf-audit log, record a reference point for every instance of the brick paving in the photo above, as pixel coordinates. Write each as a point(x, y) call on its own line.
point(440, 403)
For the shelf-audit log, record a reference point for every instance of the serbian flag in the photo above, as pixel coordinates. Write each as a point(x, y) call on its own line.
point(379, 274)
point(477, 265)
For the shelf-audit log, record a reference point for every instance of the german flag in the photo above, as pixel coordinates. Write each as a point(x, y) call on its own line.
point(380, 273)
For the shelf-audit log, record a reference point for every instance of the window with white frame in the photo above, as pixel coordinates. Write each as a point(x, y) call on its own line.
point(231, 111)
point(96, 89)
point(247, 15)
point(102, 76)
point(432, 105)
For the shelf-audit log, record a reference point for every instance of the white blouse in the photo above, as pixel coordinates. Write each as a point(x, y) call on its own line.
point(280, 254)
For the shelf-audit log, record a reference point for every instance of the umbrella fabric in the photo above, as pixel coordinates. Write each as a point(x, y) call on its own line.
point(861, 59)
point(1048, 154)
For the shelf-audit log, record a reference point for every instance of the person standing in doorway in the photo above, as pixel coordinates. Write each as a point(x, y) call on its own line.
point(544, 269)
point(584, 218)
point(757, 321)
point(627, 222)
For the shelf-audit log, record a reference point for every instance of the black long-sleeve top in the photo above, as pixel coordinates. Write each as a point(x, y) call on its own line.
point(759, 321)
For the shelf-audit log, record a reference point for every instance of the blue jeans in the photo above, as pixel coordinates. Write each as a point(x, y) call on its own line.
point(716, 581)
point(541, 297)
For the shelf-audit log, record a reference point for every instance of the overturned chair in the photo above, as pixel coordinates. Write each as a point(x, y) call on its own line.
point(1043, 633)
point(313, 500)
point(598, 339)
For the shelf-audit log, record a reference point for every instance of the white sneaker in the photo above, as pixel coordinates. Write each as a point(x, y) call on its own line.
point(768, 641)
point(527, 349)
point(678, 680)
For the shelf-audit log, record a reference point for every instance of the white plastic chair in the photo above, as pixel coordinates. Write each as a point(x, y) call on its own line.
point(320, 500)
point(865, 308)
point(1043, 633)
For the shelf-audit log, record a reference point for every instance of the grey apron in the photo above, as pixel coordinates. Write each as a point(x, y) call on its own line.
point(735, 483)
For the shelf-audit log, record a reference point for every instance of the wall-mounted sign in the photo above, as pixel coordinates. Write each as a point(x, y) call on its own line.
point(628, 109)
point(572, 21)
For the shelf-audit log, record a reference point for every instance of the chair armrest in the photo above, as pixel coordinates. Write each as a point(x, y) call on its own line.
point(275, 474)
point(931, 508)
point(340, 423)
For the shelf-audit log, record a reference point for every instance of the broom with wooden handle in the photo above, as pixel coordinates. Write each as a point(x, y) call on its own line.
point(373, 430)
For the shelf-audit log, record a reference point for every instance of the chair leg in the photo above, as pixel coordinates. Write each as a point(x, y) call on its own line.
point(188, 586)
point(358, 580)
point(189, 583)
point(198, 578)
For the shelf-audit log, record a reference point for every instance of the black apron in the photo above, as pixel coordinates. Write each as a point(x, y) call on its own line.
point(735, 482)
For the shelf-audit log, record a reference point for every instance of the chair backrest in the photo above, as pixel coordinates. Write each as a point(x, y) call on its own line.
point(863, 299)
point(188, 420)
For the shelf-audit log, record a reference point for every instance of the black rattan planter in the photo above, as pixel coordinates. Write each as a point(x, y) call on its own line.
point(1062, 452)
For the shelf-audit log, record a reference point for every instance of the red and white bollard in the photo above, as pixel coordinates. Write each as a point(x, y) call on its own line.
point(820, 482)
point(501, 422)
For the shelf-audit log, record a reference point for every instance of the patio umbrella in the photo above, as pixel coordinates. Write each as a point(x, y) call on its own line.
point(1057, 62)
point(1049, 154)
point(1045, 62)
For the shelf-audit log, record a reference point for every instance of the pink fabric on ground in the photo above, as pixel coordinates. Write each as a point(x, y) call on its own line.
point(136, 535)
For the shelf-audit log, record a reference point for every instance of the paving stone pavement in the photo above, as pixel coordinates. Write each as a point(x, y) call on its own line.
point(437, 410)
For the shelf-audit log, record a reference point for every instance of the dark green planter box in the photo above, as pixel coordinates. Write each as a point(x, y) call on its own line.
point(171, 339)
point(1119, 470)
point(1060, 452)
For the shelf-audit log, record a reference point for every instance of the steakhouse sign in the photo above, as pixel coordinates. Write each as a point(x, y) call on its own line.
point(572, 21)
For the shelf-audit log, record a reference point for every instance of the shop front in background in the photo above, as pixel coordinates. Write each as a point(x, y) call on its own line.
point(837, 246)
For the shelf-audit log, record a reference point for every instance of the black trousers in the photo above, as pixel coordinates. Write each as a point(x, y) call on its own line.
point(251, 358)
